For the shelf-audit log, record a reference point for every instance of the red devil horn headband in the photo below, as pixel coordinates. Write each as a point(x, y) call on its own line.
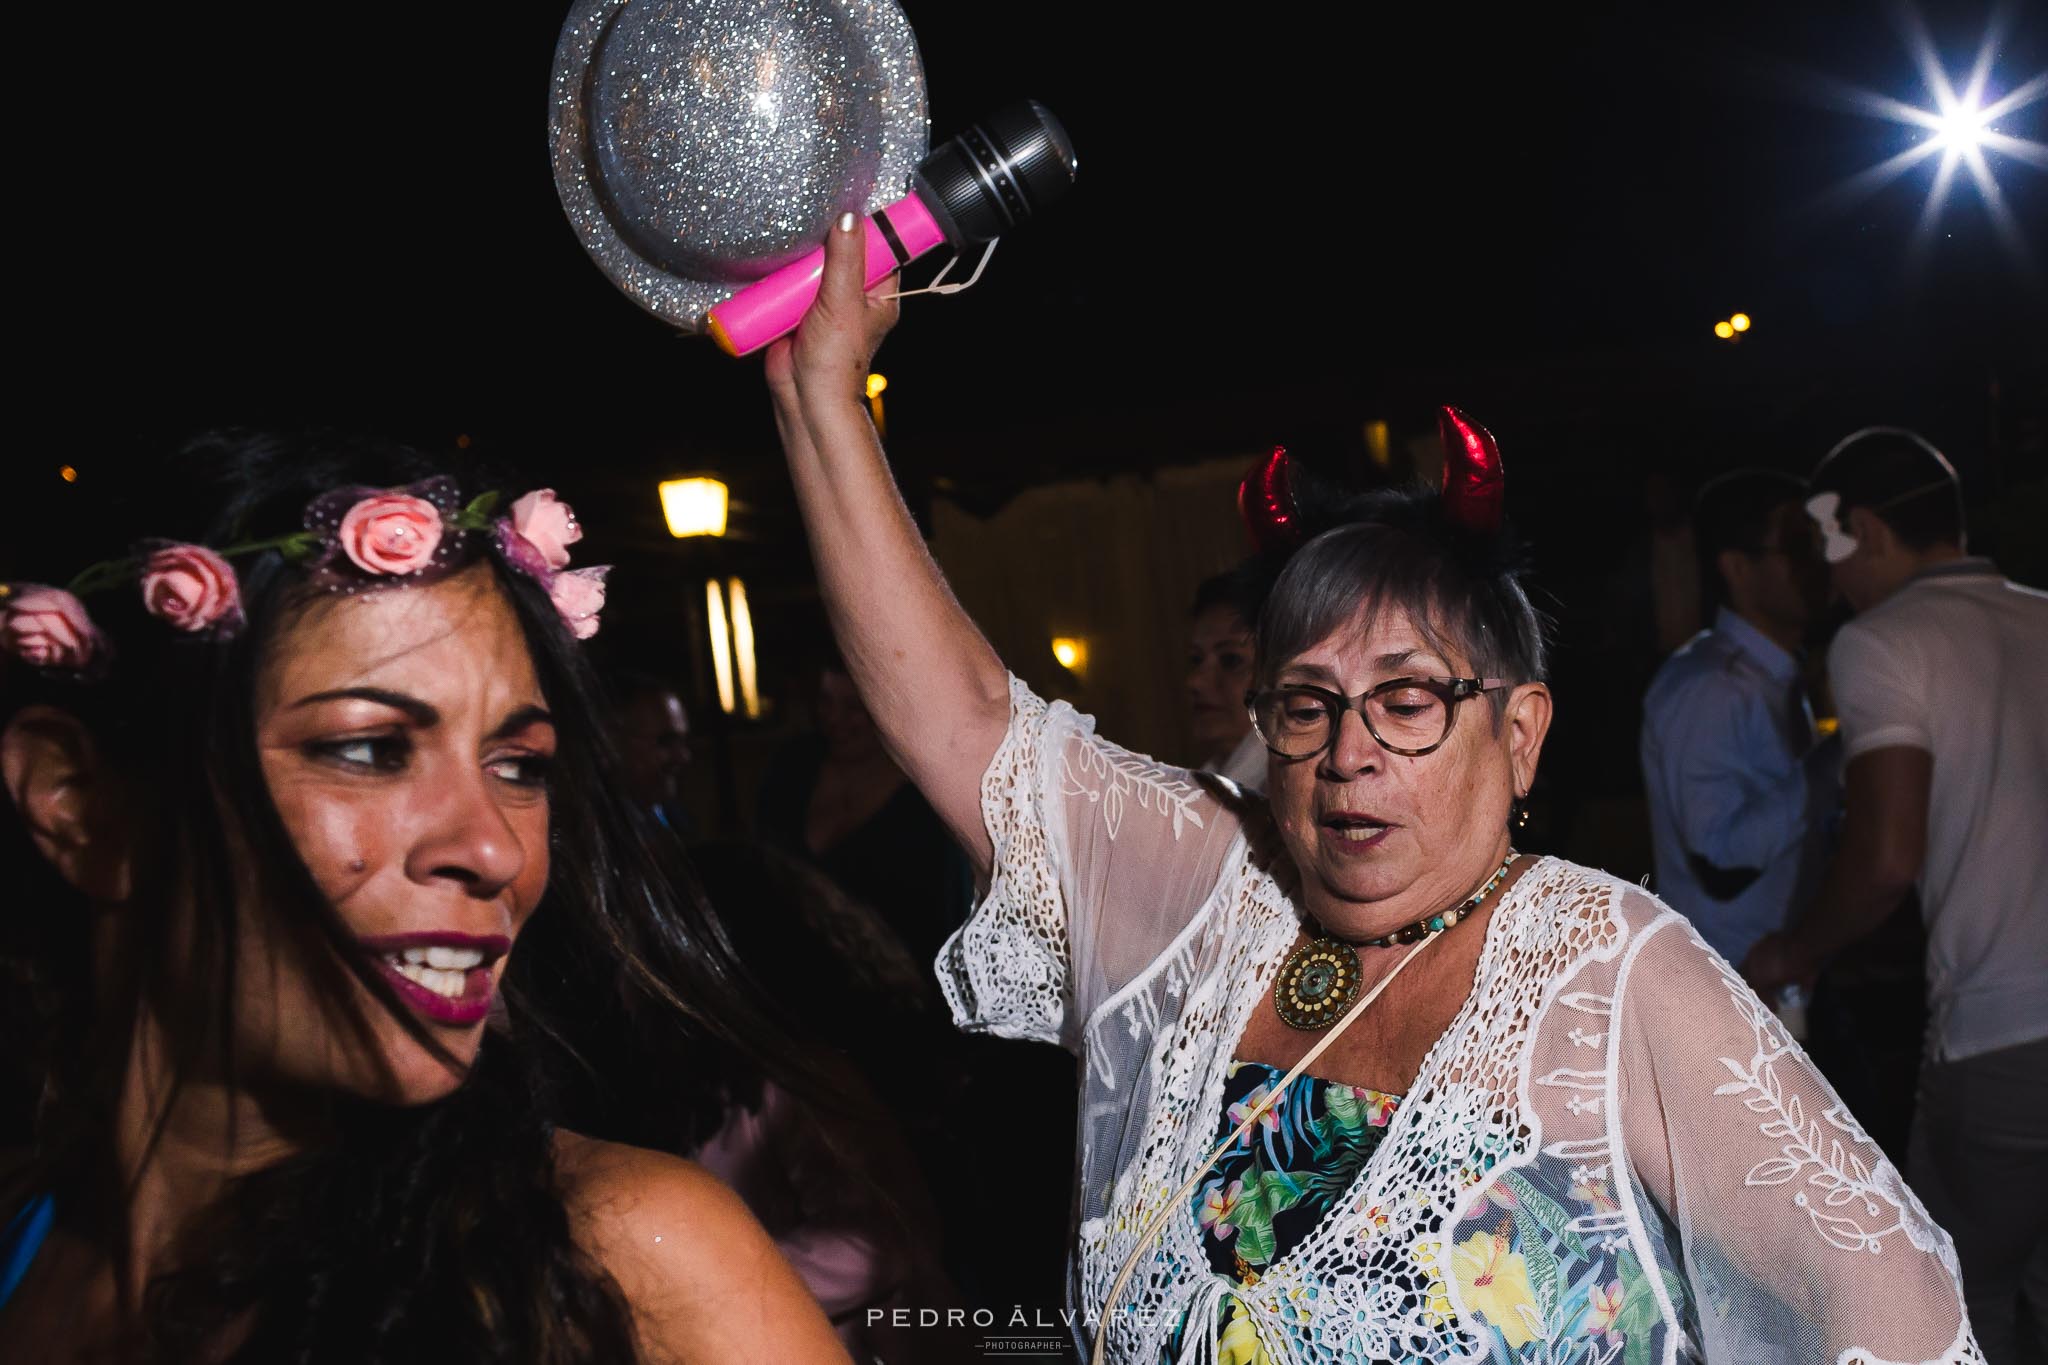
point(1265, 499)
point(1268, 500)
point(1473, 484)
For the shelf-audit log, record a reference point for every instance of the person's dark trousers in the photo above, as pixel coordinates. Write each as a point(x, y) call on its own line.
point(1980, 1163)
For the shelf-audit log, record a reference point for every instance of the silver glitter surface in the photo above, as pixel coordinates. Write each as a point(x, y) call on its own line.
point(700, 144)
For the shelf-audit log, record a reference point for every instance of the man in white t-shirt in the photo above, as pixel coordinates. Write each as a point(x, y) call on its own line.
point(1940, 682)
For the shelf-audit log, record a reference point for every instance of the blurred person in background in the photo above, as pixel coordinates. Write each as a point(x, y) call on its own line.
point(1740, 794)
point(837, 800)
point(654, 744)
point(1220, 674)
point(834, 1179)
point(1938, 681)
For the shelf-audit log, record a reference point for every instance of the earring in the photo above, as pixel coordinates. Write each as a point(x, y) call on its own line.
point(1518, 813)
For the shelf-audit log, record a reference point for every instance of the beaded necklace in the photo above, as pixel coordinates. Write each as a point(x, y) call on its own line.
point(1321, 978)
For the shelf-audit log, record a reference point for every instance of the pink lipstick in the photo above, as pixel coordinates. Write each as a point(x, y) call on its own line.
point(444, 976)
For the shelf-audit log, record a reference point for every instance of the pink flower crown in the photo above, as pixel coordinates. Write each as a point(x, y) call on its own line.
point(353, 539)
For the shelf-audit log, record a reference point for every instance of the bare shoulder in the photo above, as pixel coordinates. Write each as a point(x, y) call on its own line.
point(704, 1280)
point(614, 1187)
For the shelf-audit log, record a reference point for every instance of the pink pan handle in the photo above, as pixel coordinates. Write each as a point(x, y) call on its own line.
point(773, 306)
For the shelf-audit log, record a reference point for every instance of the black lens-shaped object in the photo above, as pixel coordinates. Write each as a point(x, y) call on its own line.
point(997, 173)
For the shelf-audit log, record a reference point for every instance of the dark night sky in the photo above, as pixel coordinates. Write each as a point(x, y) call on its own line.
point(1283, 226)
point(1289, 220)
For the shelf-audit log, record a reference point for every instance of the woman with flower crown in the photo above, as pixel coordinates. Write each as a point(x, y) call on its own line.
point(355, 1005)
point(1360, 1083)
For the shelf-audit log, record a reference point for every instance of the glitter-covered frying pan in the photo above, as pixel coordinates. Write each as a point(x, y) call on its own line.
point(701, 144)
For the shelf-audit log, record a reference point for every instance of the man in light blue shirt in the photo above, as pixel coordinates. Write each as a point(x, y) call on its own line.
point(1739, 792)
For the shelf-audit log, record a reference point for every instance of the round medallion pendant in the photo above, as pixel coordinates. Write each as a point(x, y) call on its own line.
point(1318, 982)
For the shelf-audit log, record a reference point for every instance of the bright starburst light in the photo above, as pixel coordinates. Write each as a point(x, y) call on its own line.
point(1961, 128)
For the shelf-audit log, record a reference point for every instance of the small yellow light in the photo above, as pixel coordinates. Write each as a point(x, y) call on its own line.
point(694, 507)
point(1378, 443)
point(1740, 322)
point(1724, 330)
point(743, 649)
point(462, 441)
point(721, 644)
point(1827, 726)
point(876, 383)
point(67, 473)
point(1072, 652)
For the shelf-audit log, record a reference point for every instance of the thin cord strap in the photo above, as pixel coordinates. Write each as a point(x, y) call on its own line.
point(1272, 1097)
point(938, 285)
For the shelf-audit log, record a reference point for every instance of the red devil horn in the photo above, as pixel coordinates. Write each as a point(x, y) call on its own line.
point(1265, 499)
point(1473, 484)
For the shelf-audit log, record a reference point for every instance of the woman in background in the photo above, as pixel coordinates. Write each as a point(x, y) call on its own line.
point(1219, 676)
point(837, 801)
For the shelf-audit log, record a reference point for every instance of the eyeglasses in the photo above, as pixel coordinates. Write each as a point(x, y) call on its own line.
point(1406, 716)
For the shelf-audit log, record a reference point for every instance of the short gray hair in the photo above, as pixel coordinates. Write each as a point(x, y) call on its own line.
point(1465, 598)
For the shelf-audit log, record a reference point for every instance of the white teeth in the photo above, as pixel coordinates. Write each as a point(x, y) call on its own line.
point(447, 959)
point(451, 984)
point(1358, 834)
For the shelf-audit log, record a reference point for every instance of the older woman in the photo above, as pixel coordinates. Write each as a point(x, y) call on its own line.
point(1565, 1131)
point(330, 924)
point(1219, 674)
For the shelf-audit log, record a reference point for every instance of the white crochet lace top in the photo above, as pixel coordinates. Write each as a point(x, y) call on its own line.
point(1613, 1154)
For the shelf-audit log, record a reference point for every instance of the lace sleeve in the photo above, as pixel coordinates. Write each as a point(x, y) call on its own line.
point(1799, 1239)
point(1101, 857)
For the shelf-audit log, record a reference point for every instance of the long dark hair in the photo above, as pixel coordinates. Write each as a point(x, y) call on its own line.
point(437, 1231)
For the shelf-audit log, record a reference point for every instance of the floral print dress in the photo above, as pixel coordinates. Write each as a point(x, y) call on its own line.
point(1519, 1250)
point(1269, 1190)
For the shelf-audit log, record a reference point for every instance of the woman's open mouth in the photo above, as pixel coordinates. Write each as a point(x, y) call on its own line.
point(1349, 832)
point(445, 976)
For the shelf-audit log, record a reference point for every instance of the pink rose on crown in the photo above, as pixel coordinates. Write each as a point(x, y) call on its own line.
point(521, 553)
point(390, 533)
point(48, 628)
point(578, 594)
point(190, 588)
point(548, 524)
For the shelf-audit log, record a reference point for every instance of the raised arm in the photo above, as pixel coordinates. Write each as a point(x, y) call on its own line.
point(1095, 858)
point(935, 687)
